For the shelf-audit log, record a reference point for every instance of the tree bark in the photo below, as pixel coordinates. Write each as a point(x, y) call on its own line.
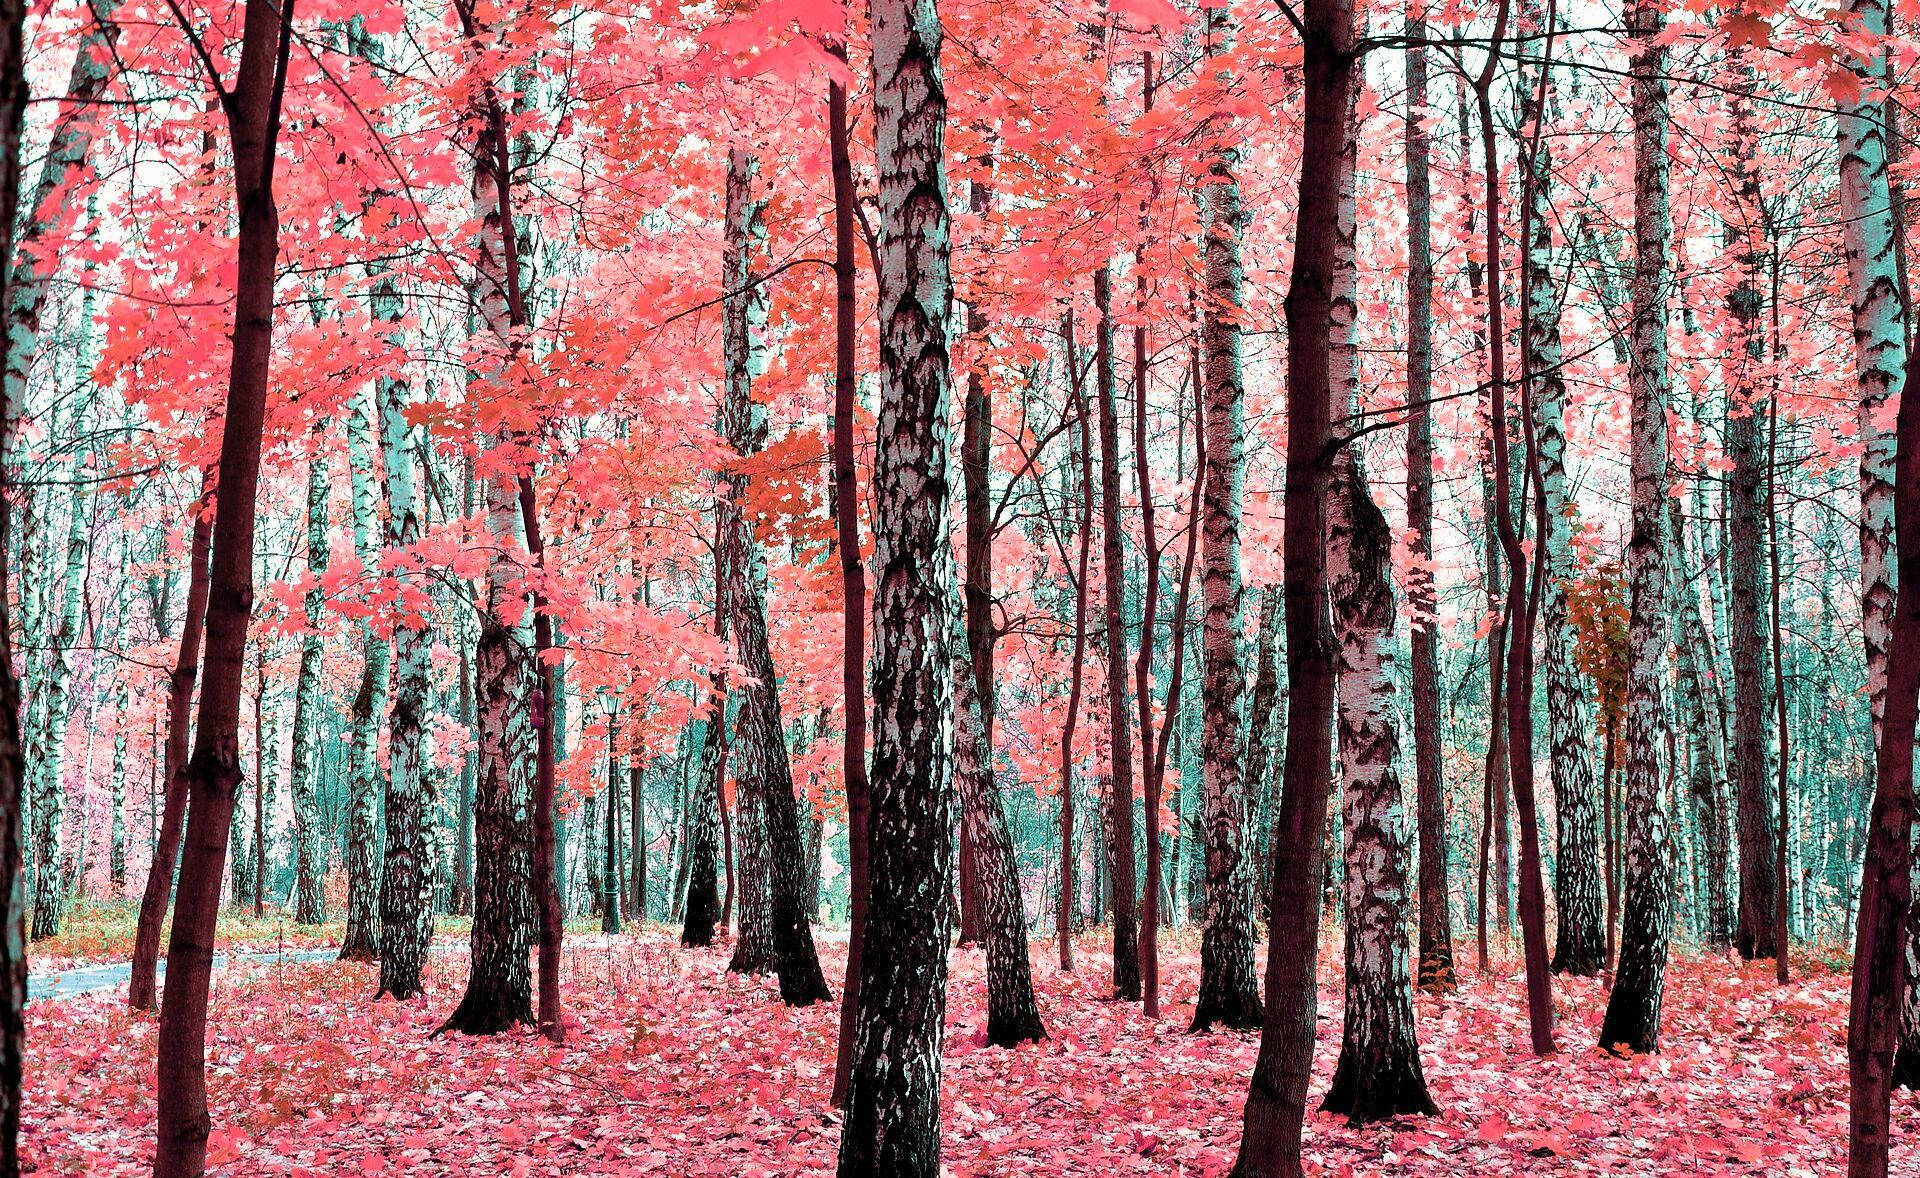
point(1121, 875)
point(1580, 939)
point(252, 108)
point(853, 572)
point(13, 915)
point(1436, 919)
point(1378, 1075)
point(1229, 996)
point(765, 775)
point(1276, 1097)
point(406, 882)
point(1633, 1009)
point(892, 1122)
point(1063, 927)
point(142, 989)
point(1872, 247)
point(1747, 506)
point(366, 856)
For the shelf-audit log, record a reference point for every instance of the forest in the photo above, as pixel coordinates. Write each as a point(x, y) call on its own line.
point(765, 587)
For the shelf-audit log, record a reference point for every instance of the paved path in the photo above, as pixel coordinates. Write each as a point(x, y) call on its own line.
point(87, 979)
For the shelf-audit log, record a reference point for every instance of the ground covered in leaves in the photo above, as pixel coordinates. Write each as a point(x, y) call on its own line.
point(674, 1066)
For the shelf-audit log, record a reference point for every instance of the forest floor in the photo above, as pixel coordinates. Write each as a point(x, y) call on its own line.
point(673, 1066)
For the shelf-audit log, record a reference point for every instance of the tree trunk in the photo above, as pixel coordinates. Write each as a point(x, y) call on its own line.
point(1012, 1015)
point(366, 857)
point(1580, 940)
point(853, 571)
point(765, 775)
point(1746, 509)
point(1378, 1075)
point(892, 1123)
point(1436, 920)
point(499, 990)
point(1229, 996)
point(1276, 1097)
point(142, 990)
point(1633, 1009)
point(252, 106)
point(1880, 358)
point(406, 882)
point(703, 879)
point(13, 916)
point(1121, 875)
point(1705, 774)
point(1063, 926)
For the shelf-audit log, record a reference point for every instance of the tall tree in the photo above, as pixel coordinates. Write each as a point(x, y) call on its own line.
point(1436, 920)
point(365, 854)
point(406, 880)
point(142, 990)
point(1229, 995)
point(1877, 295)
point(853, 570)
point(1633, 1008)
point(1580, 936)
point(13, 892)
point(1120, 861)
point(1753, 791)
point(499, 983)
point(309, 856)
point(766, 775)
point(1277, 1094)
point(251, 106)
point(1378, 1075)
point(892, 1123)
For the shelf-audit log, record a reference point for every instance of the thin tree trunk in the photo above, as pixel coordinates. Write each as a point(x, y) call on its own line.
point(1063, 928)
point(853, 572)
point(13, 916)
point(366, 857)
point(1633, 1008)
point(1229, 995)
point(765, 776)
point(1276, 1097)
point(142, 989)
point(1012, 1015)
point(406, 880)
point(1436, 920)
point(1121, 884)
point(252, 107)
point(1580, 940)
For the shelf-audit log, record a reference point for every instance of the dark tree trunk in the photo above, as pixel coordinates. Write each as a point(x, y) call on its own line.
point(142, 990)
point(892, 1121)
point(1012, 1015)
point(1121, 874)
point(1633, 1008)
point(13, 930)
point(1746, 617)
point(853, 573)
point(610, 873)
point(703, 876)
point(772, 829)
point(1276, 1097)
point(461, 902)
point(252, 108)
point(1436, 920)
point(1151, 780)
